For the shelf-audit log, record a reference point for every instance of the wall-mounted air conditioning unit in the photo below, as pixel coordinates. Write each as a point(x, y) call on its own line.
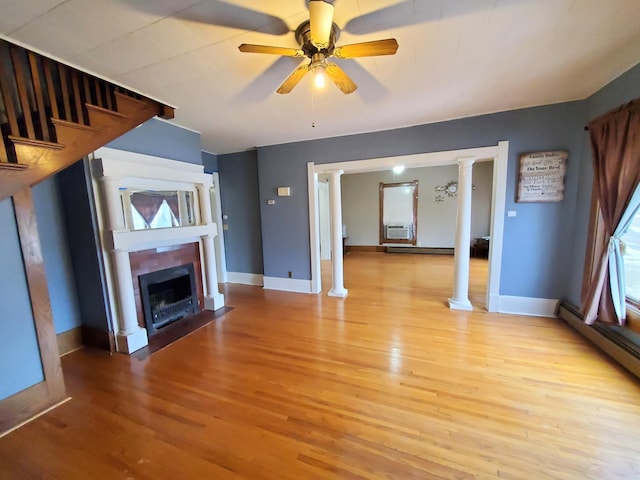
point(399, 232)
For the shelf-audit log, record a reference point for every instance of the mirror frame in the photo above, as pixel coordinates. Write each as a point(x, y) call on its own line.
point(414, 238)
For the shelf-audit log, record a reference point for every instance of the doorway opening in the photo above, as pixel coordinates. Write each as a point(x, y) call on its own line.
point(498, 154)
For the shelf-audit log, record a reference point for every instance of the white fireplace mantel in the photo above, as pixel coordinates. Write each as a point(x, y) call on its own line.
point(113, 170)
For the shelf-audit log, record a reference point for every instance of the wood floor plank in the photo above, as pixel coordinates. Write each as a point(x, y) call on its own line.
point(387, 383)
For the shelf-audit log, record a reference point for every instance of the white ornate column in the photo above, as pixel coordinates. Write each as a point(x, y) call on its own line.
point(213, 299)
point(460, 298)
point(337, 289)
point(130, 336)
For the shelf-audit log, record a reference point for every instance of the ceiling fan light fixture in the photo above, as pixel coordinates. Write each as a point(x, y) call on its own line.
point(317, 39)
point(319, 73)
point(318, 68)
point(318, 81)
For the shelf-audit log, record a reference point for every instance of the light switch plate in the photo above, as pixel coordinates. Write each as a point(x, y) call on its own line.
point(511, 213)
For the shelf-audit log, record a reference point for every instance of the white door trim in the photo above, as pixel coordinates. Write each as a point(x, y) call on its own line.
point(216, 212)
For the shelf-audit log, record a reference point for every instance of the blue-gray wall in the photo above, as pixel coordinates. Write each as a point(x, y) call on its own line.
point(240, 203)
point(20, 365)
point(620, 91)
point(210, 162)
point(161, 139)
point(57, 257)
point(82, 238)
point(535, 240)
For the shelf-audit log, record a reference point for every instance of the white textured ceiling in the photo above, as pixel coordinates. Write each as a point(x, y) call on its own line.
point(456, 58)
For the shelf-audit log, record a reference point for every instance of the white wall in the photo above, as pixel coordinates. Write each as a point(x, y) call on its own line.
point(436, 221)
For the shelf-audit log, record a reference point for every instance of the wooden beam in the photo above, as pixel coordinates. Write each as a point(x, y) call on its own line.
point(167, 112)
point(4, 156)
point(23, 93)
point(43, 395)
point(7, 88)
point(53, 101)
point(38, 93)
point(96, 85)
point(64, 86)
point(39, 293)
point(108, 90)
point(75, 82)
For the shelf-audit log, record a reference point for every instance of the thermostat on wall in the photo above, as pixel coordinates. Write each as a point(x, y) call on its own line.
point(284, 191)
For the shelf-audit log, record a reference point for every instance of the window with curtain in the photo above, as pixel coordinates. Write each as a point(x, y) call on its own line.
point(612, 266)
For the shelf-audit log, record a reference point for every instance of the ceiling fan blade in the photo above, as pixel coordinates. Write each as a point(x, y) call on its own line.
point(293, 79)
point(286, 52)
point(340, 78)
point(321, 20)
point(388, 46)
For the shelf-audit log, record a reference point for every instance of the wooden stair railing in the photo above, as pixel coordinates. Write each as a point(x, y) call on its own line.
point(52, 115)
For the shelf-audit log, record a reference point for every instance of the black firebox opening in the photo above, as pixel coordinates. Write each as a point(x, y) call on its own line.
point(167, 296)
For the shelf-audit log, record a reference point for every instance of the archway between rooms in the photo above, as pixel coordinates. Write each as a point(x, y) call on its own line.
point(464, 158)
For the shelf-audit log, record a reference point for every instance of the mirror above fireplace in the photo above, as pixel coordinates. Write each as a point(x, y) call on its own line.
point(148, 209)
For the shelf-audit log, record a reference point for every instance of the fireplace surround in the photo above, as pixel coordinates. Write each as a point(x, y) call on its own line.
point(117, 171)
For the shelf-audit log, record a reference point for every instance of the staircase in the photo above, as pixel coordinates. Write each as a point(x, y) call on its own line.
point(52, 115)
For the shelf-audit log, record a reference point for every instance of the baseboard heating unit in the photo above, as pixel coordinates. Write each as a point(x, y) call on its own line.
point(425, 250)
point(607, 338)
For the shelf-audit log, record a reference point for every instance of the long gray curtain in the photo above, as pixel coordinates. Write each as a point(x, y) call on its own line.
point(615, 142)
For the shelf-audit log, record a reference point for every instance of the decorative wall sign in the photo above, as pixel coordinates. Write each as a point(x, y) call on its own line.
point(541, 177)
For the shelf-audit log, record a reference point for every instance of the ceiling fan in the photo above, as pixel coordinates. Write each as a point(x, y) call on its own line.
point(317, 38)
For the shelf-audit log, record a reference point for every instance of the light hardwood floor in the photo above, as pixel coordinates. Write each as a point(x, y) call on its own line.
point(387, 383)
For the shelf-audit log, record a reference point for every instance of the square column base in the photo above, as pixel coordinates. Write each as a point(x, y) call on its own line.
point(129, 343)
point(460, 304)
point(214, 302)
point(338, 293)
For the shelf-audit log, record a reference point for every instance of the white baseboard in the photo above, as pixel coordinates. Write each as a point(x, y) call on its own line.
point(535, 307)
point(245, 278)
point(287, 284)
point(493, 303)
